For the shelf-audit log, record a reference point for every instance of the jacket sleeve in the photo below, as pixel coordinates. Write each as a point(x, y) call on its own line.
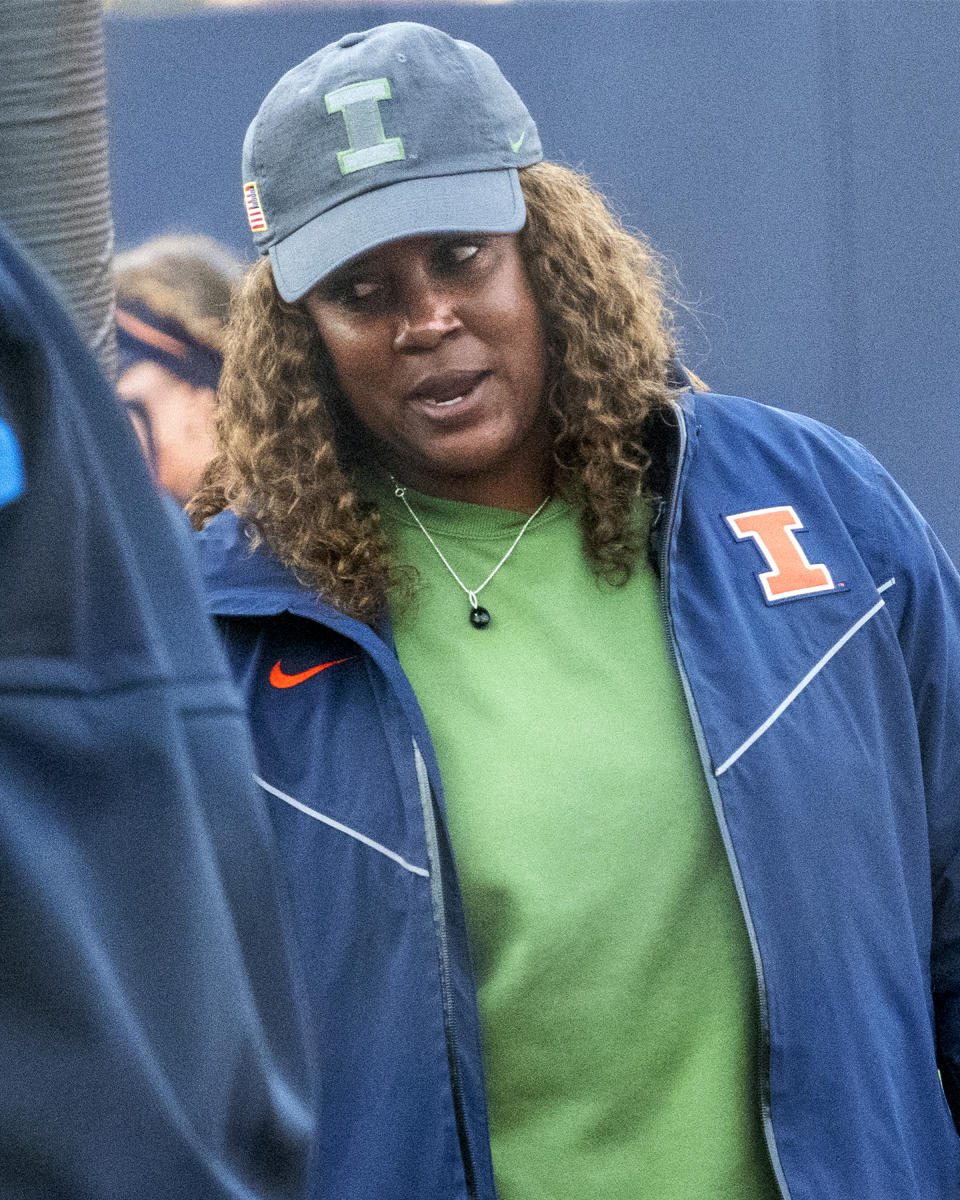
point(925, 606)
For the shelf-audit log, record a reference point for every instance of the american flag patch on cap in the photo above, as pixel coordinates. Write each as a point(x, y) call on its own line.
point(251, 198)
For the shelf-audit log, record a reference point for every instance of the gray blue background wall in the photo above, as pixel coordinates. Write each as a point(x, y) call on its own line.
point(798, 162)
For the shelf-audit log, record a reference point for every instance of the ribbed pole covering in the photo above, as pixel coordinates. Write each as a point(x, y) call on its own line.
point(54, 173)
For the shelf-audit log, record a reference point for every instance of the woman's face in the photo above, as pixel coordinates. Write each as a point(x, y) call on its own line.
point(439, 349)
point(175, 424)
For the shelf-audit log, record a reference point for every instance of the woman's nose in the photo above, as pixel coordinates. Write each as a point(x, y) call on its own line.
point(427, 317)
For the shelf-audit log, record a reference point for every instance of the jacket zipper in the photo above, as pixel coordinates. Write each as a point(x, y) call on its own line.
point(763, 1057)
point(443, 949)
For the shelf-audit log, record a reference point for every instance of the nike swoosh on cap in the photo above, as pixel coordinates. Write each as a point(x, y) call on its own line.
point(280, 679)
point(515, 146)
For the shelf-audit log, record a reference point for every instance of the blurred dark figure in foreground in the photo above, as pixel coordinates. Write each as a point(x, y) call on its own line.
point(173, 296)
point(150, 1041)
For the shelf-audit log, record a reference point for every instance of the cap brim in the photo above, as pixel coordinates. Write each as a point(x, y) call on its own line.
point(475, 202)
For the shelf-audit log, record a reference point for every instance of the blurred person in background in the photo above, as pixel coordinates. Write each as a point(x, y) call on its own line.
point(173, 299)
point(609, 727)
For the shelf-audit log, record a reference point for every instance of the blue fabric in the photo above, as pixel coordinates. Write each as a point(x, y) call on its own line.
point(841, 822)
point(844, 815)
point(151, 1041)
point(11, 465)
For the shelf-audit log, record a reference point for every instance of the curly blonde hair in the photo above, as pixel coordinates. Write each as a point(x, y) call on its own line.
point(291, 455)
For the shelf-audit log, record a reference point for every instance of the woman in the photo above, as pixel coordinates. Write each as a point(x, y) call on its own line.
point(470, 524)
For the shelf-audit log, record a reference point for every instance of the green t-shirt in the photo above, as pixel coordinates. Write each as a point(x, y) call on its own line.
point(616, 988)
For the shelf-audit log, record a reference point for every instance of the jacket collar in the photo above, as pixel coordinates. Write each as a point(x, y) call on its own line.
point(246, 581)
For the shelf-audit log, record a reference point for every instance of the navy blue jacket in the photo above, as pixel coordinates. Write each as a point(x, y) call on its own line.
point(151, 1045)
point(816, 627)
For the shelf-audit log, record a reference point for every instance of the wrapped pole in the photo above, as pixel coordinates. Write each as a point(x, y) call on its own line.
point(54, 173)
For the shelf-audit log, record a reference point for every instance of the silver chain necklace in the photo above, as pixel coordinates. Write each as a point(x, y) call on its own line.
point(479, 616)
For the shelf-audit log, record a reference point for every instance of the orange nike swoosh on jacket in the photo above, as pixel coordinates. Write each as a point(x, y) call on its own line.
point(280, 679)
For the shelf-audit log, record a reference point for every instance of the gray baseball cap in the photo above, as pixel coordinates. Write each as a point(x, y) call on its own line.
point(397, 131)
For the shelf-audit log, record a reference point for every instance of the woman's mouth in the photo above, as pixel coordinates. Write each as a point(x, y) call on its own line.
point(447, 390)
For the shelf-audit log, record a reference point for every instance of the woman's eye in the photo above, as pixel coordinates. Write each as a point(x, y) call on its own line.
point(354, 293)
point(362, 289)
point(451, 256)
point(464, 251)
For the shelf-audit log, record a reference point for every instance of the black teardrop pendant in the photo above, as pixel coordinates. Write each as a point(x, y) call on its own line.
point(479, 617)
